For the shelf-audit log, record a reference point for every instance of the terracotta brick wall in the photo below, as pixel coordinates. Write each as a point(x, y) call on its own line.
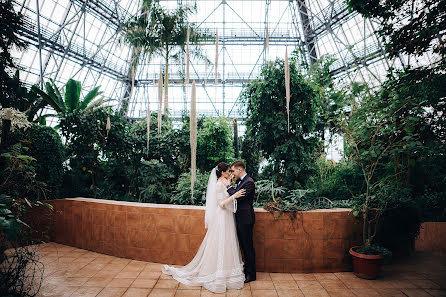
point(432, 237)
point(313, 241)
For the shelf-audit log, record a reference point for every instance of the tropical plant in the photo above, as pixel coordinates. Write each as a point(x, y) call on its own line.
point(155, 31)
point(21, 273)
point(19, 120)
point(18, 174)
point(290, 154)
point(71, 101)
point(182, 193)
point(45, 145)
point(214, 143)
point(155, 182)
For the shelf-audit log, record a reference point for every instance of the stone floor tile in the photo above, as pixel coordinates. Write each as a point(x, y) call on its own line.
point(162, 293)
point(281, 276)
point(303, 276)
point(120, 282)
point(365, 292)
point(309, 284)
point(206, 293)
point(332, 284)
point(356, 283)
point(136, 292)
point(290, 293)
point(285, 285)
point(143, 283)
point(309, 292)
point(184, 287)
point(425, 284)
point(263, 276)
point(188, 293)
point(96, 281)
point(149, 275)
point(390, 292)
point(435, 292)
point(87, 292)
point(239, 293)
point(261, 285)
point(415, 293)
point(112, 292)
point(340, 293)
point(127, 274)
point(320, 276)
point(264, 293)
point(153, 267)
point(166, 284)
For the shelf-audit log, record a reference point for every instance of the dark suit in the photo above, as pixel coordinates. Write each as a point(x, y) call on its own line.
point(245, 219)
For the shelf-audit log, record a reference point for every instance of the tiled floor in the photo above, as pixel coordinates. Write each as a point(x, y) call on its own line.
point(71, 271)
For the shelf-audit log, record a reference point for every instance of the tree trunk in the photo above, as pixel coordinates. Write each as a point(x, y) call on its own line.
point(166, 84)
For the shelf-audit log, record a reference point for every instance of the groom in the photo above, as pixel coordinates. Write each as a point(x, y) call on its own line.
point(244, 217)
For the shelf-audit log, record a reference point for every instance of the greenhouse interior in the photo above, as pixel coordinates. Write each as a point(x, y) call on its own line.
point(223, 147)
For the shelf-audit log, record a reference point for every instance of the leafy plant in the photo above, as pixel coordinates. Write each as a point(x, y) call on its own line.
point(18, 174)
point(71, 101)
point(46, 147)
point(154, 182)
point(214, 143)
point(182, 194)
point(290, 154)
point(155, 31)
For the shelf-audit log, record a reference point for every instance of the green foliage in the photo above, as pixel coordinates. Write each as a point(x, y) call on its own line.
point(290, 154)
point(182, 193)
point(71, 101)
point(87, 143)
point(214, 143)
point(340, 181)
point(18, 174)
point(9, 222)
point(155, 181)
point(46, 147)
point(251, 154)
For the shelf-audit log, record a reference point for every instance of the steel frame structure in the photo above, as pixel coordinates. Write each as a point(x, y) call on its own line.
point(80, 39)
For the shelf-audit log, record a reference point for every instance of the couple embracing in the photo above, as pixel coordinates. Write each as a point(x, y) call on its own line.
point(229, 220)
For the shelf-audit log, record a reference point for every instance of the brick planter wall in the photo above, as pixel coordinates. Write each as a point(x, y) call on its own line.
point(432, 237)
point(314, 241)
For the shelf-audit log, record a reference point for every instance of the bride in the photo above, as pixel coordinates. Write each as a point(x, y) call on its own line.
point(217, 266)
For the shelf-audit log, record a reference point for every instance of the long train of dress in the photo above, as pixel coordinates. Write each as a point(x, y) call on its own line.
point(218, 265)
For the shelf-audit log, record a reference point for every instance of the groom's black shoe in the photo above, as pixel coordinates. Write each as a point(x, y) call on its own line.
point(249, 278)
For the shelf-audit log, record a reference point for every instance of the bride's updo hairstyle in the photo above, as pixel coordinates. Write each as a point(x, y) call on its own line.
point(221, 167)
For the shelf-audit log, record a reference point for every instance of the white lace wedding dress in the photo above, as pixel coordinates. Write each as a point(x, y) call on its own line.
point(218, 265)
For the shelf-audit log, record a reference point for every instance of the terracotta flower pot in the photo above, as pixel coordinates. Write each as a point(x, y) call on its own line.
point(366, 266)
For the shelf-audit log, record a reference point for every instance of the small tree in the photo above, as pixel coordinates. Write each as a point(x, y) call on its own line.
point(290, 154)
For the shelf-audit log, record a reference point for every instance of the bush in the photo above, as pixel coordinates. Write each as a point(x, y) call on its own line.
point(46, 147)
point(155, 182)
point(182, 194)
point(339, 181)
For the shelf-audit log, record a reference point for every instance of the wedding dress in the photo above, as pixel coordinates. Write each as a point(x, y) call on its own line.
point(218, 265)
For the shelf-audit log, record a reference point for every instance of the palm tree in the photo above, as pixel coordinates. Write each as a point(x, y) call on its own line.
point(72, 97)
point(158, 32)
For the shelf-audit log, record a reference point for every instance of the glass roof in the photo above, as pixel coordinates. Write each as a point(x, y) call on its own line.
point(80, 39)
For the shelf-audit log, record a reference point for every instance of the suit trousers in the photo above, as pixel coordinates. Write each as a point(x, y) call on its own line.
point(244, 234)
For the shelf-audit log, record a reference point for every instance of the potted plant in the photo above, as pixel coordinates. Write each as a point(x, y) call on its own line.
point(377, 142)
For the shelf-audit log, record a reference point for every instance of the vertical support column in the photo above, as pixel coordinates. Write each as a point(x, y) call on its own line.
point(307, 31)
point(40, 44)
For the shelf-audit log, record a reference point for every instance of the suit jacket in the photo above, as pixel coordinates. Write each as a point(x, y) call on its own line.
point(245, 209)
